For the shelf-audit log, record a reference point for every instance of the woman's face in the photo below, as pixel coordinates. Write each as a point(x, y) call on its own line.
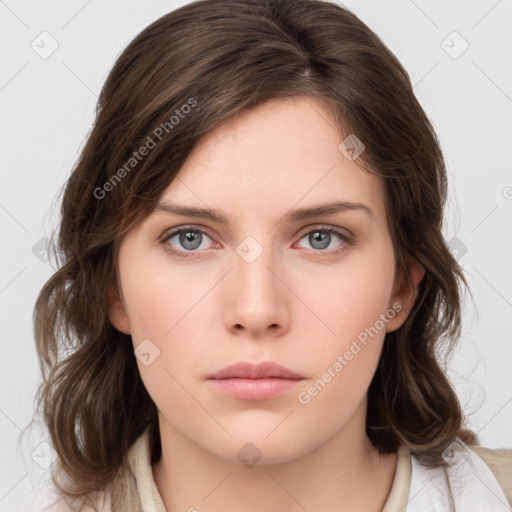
point(274, 281)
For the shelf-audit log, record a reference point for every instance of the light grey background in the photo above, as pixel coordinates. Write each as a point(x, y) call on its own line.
point(47, 110)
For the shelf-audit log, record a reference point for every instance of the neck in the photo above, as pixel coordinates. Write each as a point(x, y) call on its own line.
point(345, 473)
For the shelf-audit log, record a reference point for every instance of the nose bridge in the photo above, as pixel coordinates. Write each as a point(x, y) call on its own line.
point(256, 298)
point(254, 279)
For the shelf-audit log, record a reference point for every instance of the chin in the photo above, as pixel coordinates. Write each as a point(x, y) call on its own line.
point(251, 448)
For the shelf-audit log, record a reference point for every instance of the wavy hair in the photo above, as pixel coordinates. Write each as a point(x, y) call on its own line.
point(179, 79)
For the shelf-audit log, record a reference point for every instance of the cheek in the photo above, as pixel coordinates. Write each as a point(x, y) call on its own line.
point(351, 299)
point(162, 308)
point(166, 306)
point(343, 368)
point(158, 296)
point(151, 309)
point(354, 311)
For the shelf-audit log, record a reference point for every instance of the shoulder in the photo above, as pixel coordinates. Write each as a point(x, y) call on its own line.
point(500, 463)
point(135, 487)
point(465, 482)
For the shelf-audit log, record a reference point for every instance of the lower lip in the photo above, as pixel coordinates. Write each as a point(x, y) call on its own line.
point(254, 389)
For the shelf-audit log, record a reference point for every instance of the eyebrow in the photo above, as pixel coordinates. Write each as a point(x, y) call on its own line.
point(291, 216)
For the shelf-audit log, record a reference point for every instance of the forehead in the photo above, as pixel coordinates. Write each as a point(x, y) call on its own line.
point(279, 155)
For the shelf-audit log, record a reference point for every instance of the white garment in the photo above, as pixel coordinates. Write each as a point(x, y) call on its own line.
point(420, 489)
point(473, 486)
point(415, 488)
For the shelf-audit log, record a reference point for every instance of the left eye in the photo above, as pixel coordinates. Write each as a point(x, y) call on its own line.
point(321, 238)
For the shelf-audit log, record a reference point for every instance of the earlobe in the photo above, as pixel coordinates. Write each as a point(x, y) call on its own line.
point(405, 295)
point(116, 311)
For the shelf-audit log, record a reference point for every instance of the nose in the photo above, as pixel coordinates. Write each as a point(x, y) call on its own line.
point(256, 299)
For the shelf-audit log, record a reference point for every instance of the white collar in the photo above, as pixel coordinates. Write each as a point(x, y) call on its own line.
point(151, 501)
point(466, 483)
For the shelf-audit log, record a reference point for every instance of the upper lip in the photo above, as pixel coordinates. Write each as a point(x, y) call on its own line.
point(263, 370)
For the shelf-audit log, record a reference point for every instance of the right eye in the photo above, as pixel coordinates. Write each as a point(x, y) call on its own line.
point(186, 240)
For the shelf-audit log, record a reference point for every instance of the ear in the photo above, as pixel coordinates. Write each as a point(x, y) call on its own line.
point(117, 311)
point(404, 294)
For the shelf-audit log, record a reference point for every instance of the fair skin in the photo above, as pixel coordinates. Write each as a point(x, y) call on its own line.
point(298, 303)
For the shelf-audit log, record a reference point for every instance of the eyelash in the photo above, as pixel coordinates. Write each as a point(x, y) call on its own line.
point(168, 235)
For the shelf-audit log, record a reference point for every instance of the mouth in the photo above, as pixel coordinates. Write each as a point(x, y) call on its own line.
point(247, 381)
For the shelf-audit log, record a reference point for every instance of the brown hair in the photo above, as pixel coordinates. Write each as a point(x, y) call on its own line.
point(179, 79)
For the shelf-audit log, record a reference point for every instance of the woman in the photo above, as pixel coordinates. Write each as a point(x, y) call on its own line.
point(254, 284)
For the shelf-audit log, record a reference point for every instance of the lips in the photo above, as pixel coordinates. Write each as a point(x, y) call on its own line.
point(264, 370)
point(247, 381)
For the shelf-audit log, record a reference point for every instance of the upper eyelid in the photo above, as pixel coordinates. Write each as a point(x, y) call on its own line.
point(326, 227)
point(173, 231)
